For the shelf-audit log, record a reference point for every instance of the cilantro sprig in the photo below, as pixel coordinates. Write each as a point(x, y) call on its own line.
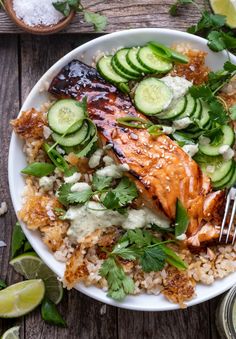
point(112, 198)
point(212, 26)
point(141, 246)
point(65, 7)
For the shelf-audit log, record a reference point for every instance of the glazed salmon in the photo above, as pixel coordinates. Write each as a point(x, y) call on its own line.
point(162, 171)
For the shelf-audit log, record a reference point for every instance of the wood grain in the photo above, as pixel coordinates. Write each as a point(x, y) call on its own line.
point(123, 14)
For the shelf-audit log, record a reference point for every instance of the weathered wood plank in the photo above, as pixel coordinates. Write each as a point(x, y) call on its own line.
point(83, 315)
point(9, 99)
point(123, 14)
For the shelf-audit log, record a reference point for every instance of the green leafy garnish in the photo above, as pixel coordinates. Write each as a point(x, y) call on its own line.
point(80, 197)
point(119, 284)
point(167, 53)
point(181, 219)
point(63, 192)
point(18, 241)
point(211, 26)
point(39, 169)
point(50, 313)
point(120, 196)
point(100, 183)
point(65, 7)
point(139, 245)
point(2, 284)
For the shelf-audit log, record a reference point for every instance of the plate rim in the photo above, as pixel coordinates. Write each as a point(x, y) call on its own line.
point(89, 290)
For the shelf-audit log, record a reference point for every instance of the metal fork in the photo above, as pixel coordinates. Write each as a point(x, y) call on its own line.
point(230, 197)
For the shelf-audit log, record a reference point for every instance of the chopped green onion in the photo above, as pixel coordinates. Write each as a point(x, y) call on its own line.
point(56, 158)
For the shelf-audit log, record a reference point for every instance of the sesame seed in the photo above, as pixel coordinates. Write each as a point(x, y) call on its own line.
point(168, 188)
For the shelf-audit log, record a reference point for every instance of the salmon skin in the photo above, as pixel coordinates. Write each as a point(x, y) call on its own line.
point(162, 171)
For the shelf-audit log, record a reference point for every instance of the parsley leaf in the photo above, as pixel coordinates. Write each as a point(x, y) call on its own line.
point(153, 259)
point(100, 182)
point(80, 197)
point(119, 284)
point(99, 21)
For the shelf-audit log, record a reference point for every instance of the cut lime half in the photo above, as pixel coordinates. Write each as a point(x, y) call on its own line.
point(21, 298)
point(32, 267)
point(12, 333)
point(227, 8)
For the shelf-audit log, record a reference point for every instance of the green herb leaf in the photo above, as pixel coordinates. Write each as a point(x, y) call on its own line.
point(63, 192)
point(139, 237)
point(173, 9)
point(18, 241)
point(181, 219)
point(216, 41)
point(119, 284)
point(62, 7)
point(2, 284)
point(110, 201)
point(208, 21)
point(80, 197)
point(162, 229)
point(173, 259)
point(100, 182)
point(134, 122)
point(153, 259)
point(28, 247)
point(50, 314)
point(39, 169)
point(99, 21)
point(124, 252)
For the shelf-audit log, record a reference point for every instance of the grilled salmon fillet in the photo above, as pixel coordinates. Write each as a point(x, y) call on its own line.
point(162, 171)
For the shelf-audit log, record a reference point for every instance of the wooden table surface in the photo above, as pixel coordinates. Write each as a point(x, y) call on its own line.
point(23, 60)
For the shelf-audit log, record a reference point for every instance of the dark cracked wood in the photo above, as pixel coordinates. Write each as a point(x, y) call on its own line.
point(23, 60)
point(123, 14)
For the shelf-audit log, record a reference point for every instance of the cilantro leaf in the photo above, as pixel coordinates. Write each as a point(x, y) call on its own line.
point(79, 197)
point(63, 192)
point(208, 20)
point(138, 237)
point(153, 259)
point(62, 7)
point(173, 9)
point(99, 21)
point(100, 182)
point(124, 193)
point(216, 41)
point(119, 284)
point(124, 252)
point(17, 241)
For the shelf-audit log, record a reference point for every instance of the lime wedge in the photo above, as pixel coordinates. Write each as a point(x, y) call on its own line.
point(32, 267)
point(12, 333)
point(227, 8)
point(21, 298)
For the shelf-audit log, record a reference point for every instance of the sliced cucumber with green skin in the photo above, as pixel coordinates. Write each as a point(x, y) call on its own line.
point(198, 110)
point(151, 61)
point(193, 135)
point(152, 96)
point(106, 70)
point(72, 139)
point(120, 71)
point(227, 139)
point(175, 111)
point(226, 179)
point(65, 115)
point(190, 107)
point(221, 170)
point(205, 118)
point(132, 59)
point(121, 62)
point(232, 180)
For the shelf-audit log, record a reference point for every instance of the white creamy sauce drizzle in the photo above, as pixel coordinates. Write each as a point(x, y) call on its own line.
point(178, 85)
point(87, 218)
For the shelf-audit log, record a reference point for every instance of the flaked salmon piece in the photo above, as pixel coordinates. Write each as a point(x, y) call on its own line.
point(162, 171)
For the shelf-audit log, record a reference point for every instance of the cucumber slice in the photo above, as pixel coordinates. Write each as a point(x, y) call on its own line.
point(72, 139)
point(152, 96)
point(65, 114)
point(225, 180)
point(132, 59)
point(120, 71)
point(198, 110)
point(205, 118)
point(221, 170)
point(151, 61)
point(120, 59)
point(193, 135)
point(190, 107)
point(106, 70)
point(227, 139)
point(232, 180)
point(177, 108)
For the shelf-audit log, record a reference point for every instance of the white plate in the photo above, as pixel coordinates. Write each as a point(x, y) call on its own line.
point(17, 159)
